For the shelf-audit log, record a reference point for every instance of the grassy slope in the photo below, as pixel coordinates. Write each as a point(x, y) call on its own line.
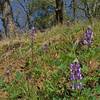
point(50, 71)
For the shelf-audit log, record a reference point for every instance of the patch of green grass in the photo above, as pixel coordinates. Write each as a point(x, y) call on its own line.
point(53, 66)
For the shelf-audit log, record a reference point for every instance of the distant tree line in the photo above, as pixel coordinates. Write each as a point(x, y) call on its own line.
point(91, 9)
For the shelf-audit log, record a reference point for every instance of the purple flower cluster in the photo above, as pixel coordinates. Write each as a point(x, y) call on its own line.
point(75, 73)
point(88, 36)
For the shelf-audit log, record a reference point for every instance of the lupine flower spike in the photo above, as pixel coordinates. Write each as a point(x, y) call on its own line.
point(33, 31)
point(88, 36)
point(75, 74)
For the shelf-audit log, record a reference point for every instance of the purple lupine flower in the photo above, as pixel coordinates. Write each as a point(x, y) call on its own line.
point(88, 36)
point(33, 31)
point(75, 72)
point(32, 36)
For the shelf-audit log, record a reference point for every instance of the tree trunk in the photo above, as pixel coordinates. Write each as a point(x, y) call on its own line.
point(7, 15)
point(5, 26)
point(87, 11)
point(2, 7)
point(28, 21)
point(10, 10)
point(59, 11)
point(74, 4)
point(27, 13)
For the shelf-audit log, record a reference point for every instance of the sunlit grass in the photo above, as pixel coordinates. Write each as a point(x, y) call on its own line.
point(49, 73)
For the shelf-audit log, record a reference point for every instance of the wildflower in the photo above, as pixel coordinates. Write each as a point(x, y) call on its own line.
point(8, 71)
point(75, 73)
point(33, 31)
point(88, 36)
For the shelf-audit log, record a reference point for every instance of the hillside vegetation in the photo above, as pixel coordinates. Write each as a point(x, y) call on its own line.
point(44, 72)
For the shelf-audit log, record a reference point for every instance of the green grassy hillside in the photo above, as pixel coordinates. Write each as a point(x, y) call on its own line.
point(44, 73)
